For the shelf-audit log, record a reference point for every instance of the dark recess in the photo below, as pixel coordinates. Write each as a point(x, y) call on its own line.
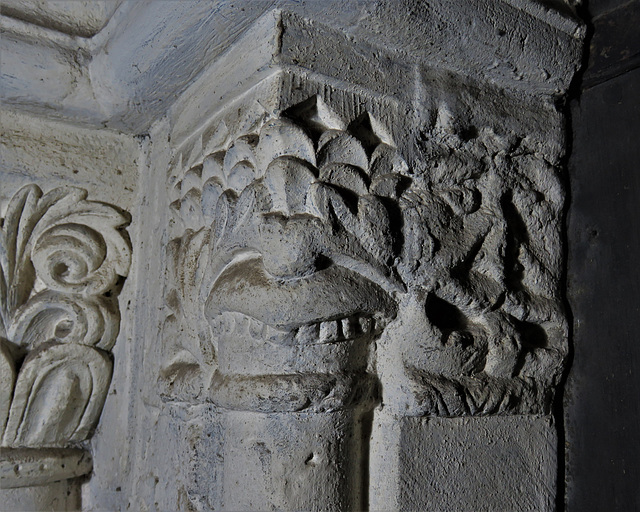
point(602, 393)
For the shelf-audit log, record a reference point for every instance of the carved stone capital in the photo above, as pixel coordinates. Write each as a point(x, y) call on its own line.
point(350, 234)
point(310, 226)
point(325, 265)
point(63, 259)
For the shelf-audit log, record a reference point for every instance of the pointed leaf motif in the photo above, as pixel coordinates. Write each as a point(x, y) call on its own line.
point(374, 228)
point(240, 151)
point(317, 203)
point(345, 176)
point(281, 137)
point(223, 214)
point(294, 194)
point(20, 219)
point(344, 149)
point(191, 209)
point(311, 191)
point(60, 255)
point(387, 160)
point(211, 192)
point(368, 222)
point(184, 299)
point(288, 180)
point(192, 180)
point(58, 396)
point(240, 176)
point(212, 167)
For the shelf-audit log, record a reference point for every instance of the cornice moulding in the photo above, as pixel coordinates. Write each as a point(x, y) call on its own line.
point(515, 44)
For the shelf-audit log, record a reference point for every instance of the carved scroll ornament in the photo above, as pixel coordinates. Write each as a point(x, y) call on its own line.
point(311, 237)
point(62, 260)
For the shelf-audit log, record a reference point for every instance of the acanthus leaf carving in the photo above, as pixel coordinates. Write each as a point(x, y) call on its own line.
point(52, 315)
point(62, 261)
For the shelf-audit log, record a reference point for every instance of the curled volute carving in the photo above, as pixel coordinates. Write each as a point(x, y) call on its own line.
point(311, 249)
point(63, 259)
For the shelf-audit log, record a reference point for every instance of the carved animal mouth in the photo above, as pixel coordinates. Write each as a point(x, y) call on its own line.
point(348, 328)
point(332, 305)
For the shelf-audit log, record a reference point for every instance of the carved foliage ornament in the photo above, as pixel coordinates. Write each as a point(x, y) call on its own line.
point(305, 230)
point(300, 209)
point(62, 260)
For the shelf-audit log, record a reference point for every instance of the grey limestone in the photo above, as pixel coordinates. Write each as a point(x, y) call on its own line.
point(341, 224)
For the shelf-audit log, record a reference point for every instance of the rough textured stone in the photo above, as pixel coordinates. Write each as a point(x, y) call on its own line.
point(294, 231)
point(32, 467)
point(79, 18)
point(347, 249)
point(129, 90)
point(466, 464)
point(57, 496)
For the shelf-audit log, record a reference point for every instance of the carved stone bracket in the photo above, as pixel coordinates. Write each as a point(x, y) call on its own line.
point(63, 259)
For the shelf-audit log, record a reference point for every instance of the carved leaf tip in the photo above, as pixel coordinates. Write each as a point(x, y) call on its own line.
point(62, 259)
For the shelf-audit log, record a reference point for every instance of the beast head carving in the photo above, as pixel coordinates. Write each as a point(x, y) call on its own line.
point(310, 236)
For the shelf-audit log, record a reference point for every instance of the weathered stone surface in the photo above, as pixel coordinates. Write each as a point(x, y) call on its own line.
point(27, 467)
point(348, 250)
point(305, 242)
point(79, 18)
point(516, 43)
point(54, 154)
point(466, 464)
point(319, 472)
point(308, 222)
point(57, 496)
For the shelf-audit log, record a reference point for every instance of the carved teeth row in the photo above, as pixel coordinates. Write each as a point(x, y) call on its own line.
point(334, 330)
point(321, 332)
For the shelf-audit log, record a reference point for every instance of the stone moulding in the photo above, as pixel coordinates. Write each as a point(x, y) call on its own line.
point(63, 260)
point(25, 467)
